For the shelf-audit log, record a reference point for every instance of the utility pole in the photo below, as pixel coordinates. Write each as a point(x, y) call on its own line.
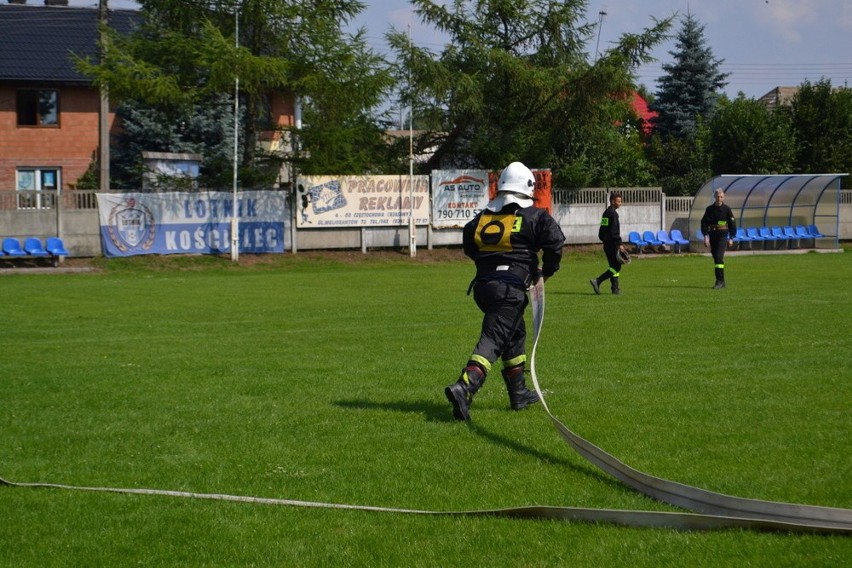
point(601, 16)
point(103, 123)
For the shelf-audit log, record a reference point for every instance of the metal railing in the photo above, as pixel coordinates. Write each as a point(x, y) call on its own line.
point(678, 204)
point(598, 195)
point(30, 200)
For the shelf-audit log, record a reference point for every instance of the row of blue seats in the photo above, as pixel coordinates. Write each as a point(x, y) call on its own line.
point(649, 238)
point(774, 234)
point(676, 240)
point(53, 246)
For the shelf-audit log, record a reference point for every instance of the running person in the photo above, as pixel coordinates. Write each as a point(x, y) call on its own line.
point(504, 241)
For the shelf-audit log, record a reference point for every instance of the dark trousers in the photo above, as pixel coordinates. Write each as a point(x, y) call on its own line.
point(611, 251)
point(503, 332)
point(718, 246)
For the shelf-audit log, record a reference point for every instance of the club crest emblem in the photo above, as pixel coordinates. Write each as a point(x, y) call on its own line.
point(131, 225)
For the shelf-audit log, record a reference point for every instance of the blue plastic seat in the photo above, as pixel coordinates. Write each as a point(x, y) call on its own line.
point(33, 247)
point(55, 246)
point(741, 236)
point(677, 237)
point(778, 233)
point(767, 235)
point(814, 232)
point(791, 235)
point(790, 232)
point(12, 247)
point(754, 234)
point(802, 232)
point(651, 239)
point(634, 239)
point(664, 237)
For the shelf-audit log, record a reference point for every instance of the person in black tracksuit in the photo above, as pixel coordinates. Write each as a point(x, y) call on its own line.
point(504, 241)
point(610, 234)
point(718, 227)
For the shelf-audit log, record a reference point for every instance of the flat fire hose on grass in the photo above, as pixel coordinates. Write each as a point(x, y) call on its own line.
point(711, 510)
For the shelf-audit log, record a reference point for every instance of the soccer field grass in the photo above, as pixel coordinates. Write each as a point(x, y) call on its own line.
point(316, 380)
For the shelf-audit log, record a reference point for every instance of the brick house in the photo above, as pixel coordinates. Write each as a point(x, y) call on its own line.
point(49, 113)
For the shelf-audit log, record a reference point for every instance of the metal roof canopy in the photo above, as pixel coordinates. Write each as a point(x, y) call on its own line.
point(777, 201)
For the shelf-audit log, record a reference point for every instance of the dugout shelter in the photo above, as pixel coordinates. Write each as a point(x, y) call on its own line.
point(777, 201)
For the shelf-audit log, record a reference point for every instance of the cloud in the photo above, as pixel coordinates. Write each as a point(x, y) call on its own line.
point(789, 18)
point(845, 19)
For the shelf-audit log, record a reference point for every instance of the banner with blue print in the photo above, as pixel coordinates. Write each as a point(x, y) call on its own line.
point(191, 223)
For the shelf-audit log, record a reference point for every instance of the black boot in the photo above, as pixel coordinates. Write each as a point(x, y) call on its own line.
point(615, 289)
point(720, 278)
point(519, 395)
point(460, 393)
point(596, 286)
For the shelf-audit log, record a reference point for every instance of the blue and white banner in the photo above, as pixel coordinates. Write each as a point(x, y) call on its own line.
point(191, 223)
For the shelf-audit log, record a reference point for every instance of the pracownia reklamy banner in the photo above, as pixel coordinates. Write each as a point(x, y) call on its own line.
point(187, 223)
point(361, 201)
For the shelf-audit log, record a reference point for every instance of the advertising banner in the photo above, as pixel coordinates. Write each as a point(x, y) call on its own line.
point(457, 196)
point(197, 222)
point(361, 201)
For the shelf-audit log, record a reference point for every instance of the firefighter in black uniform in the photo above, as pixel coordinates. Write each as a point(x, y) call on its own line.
point(718, 227)
point(610, 234)
point(504, 241)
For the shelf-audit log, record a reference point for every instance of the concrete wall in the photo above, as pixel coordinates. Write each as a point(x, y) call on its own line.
point(78, 225)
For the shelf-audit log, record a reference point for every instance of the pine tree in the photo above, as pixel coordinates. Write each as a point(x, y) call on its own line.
point(688, 90)
point(515, 83)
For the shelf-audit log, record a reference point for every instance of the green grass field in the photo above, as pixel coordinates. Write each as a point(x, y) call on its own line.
point(308, 378)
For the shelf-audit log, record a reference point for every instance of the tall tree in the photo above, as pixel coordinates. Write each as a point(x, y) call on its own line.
point(821, 118)
point(189, 52)
point(515, 83)
point(688, 89)
point(685, 101)
point(748, 138)
point(197, 129)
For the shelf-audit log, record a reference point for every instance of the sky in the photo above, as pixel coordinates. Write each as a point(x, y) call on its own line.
point(763, 43)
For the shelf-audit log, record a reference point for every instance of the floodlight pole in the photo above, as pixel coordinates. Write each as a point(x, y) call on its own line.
point(235, 220)
point(103, 113)
point(412, 226)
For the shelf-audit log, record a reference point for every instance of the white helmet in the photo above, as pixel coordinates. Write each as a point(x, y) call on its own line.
point(517, 178)
point(516, 185)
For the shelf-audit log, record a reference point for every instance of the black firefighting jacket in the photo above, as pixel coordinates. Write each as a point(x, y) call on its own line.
point(718, 218)
point(506, 244)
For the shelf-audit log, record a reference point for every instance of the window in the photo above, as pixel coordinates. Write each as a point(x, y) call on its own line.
point(38, 107)
point(30, 184)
